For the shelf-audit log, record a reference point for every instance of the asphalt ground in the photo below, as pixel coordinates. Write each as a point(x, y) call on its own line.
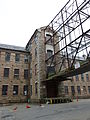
point(66, 111)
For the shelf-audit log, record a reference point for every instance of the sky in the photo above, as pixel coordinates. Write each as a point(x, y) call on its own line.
point(20, 18)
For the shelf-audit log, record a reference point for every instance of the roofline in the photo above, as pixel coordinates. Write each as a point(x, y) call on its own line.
point(34, 34)
point(31, 37)
point(14, 50)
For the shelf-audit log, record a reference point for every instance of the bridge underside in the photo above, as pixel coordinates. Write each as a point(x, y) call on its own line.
point(65, 75)
point(52, 89)
point(52, 83)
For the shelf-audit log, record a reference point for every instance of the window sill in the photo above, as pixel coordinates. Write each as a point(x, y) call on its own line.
point(4, 95)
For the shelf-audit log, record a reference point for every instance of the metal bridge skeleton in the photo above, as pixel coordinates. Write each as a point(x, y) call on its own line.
point(72, 27)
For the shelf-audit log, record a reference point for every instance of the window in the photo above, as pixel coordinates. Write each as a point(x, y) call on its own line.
point(78, 90)
point(84, 90)
point(35, 39)
point(30, 73)
point(36, 85)
point(50, 70)
point(4, 89)
point(49, 39)
point(36, 52)
point(16, 73)
point(26, 59)
point(0, 54)
point(36, 69)
point(17, 57)
point(82, 77)
point(30, 58)
point(7, 56)
point(77, 78)
point(72, 90)
point(25, 90)
point(87, 77)
point(29, 46)
point(66, 89)
point(6, 72)
point(49, 53)
point(15, 90)
point(89, 89)
point(72, 79)
point(31, 89)
point(26, 74)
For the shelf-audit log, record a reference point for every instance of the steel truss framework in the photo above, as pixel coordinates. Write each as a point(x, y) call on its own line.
point(72, 27)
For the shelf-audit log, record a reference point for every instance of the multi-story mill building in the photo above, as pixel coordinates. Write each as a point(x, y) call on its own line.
point(23, 72)
point(14, 77)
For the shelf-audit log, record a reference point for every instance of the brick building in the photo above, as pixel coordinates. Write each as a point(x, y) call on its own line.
point(78, 86)
point(14, 66)
point(23, 72)
point(40, 50)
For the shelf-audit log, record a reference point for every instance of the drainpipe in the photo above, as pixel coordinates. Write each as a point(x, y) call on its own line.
point(38, 58)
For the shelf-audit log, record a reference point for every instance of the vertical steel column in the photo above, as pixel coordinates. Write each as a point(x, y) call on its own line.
point(82, 33)
point(65, 39)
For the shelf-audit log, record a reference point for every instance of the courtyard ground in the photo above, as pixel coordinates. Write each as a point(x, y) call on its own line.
point(67, 111)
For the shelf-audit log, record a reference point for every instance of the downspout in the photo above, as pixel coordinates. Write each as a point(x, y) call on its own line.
point(38, 60)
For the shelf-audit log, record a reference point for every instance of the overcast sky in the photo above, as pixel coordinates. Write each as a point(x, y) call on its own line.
point(20, 18)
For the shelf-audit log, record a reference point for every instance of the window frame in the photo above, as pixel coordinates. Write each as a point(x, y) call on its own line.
point(89, 89)
point(30, 73)
point(36, 88)
point(78, 90)
point(16, 75)
point(0, 54)
point(87, 77)
point(35, 69)
point(82, 77)
point(73, 90)
point(77, 77)
point(31, 90)
point(25, 90)
point(36, 52)
point(15, 90)
point(17, 57)
point(7, 56)
point(5, 90)
point(66, 90)
point(26, 74)
point(6, 73)
point(84, 90)
point(26, 59)
point(35, 38)
point(49, 53)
